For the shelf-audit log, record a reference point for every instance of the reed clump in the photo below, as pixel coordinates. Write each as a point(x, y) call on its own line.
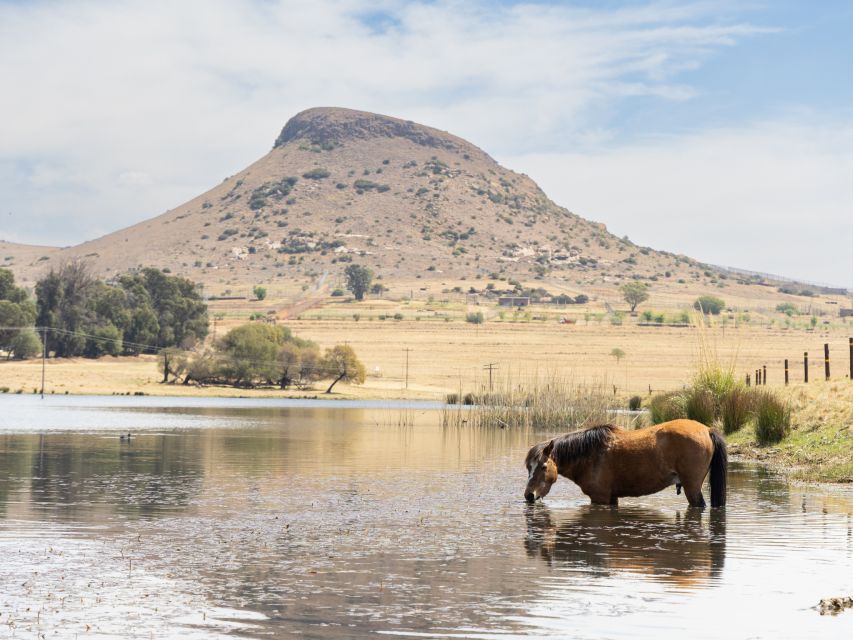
point(664, 407)
point(736, 409)
point(548, 403)
point(772, 417)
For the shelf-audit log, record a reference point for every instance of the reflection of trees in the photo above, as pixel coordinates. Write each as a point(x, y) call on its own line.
point(679, 550)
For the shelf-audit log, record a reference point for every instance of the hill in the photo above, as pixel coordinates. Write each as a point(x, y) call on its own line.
point(409, 201)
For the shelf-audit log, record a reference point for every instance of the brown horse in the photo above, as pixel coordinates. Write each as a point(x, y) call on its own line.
point(609, 463)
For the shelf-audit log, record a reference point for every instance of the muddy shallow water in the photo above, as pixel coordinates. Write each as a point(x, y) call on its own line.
point(225, 518)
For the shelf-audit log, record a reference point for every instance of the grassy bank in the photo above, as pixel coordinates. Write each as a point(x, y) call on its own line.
point(819, 446)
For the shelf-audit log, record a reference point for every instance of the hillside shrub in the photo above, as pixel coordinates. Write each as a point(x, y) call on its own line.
point(316, 174)
point(475, 317)
point(709, 305)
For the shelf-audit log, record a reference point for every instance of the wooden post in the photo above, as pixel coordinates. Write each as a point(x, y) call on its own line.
point(826, 360)
point(764, 375)
point(786, 372)
point(43, 357)
point(806, 366)
point(851, 358)
point(747, 380)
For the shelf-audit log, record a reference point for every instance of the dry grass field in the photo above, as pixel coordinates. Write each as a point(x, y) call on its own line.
point(445, 356)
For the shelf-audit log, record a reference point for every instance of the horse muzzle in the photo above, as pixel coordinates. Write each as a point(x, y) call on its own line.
point(530, 497)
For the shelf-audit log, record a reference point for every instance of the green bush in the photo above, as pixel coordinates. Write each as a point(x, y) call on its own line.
point(772, 417)
point(316, 174)
point(787, 308)
point(475, 318)
point(666, 406)
point(635, 403)
point(735, 408)
point(25, 345)
point(709, 305)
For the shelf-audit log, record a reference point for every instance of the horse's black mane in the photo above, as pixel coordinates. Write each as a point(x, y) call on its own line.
point(582, 444)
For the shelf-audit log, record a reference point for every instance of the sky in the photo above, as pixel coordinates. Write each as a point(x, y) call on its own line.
point(721, 130)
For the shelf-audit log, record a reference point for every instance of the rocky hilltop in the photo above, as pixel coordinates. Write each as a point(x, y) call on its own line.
point(342, 186)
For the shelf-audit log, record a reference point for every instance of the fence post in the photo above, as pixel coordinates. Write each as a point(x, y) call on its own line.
point(851, 358)
point(806, 366)
point(826, 360)
point(747, 380)
point(764, 375)
point(786, 372)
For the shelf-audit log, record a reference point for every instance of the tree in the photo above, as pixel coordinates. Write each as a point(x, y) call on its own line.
point(341, 364)
point(635, 293)
point(709, 305)
point(13, 319)
point(172, 362)
point(25, 345)
point(260, 292)
point(358, 280)
point(8, 290)
point(618, 354)
point(178, 305)
point(106, 340)
point(250, 353)
point(61, 300)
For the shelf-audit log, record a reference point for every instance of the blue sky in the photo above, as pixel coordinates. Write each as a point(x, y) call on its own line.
point(723, 130)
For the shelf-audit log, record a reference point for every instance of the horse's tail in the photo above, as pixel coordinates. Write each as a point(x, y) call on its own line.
point(719, 469)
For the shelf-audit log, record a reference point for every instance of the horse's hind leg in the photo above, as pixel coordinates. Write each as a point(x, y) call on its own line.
point(693, 491)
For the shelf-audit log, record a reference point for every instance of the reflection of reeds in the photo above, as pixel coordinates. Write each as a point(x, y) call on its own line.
point(548, 403)
point(404, 417)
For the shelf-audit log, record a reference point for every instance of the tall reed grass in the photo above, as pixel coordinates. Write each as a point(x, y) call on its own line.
point(772, 417)
point(716, 396)
point(550, 403)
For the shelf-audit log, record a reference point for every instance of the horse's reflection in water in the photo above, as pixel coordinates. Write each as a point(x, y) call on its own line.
point(682, 550)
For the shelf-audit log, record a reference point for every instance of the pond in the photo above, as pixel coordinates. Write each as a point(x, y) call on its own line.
point(242, 518)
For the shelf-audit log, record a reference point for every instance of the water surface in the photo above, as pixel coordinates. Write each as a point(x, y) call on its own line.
point(224, 518)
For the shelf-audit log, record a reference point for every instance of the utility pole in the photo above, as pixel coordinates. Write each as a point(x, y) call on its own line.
point(491, 366)
point(43, 357)
point(407, 350)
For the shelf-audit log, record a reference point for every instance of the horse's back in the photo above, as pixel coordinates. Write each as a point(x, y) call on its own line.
point(676, 434)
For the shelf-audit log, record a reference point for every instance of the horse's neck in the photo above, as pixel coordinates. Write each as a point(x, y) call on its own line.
point(576, 470)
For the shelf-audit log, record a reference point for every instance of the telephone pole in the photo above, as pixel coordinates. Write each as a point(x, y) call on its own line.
point(491, 366)
point(407, 350)
point(43, 357)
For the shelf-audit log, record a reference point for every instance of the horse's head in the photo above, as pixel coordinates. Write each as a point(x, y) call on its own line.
point(541, 471)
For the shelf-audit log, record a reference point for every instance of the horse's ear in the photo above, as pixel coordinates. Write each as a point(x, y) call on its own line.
point(548, 449)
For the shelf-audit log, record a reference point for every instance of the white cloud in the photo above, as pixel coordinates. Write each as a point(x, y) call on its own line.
point(774, 197)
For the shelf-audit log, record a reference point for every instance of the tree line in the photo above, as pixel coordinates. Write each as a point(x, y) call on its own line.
point(258, 354)
point(139, 312)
